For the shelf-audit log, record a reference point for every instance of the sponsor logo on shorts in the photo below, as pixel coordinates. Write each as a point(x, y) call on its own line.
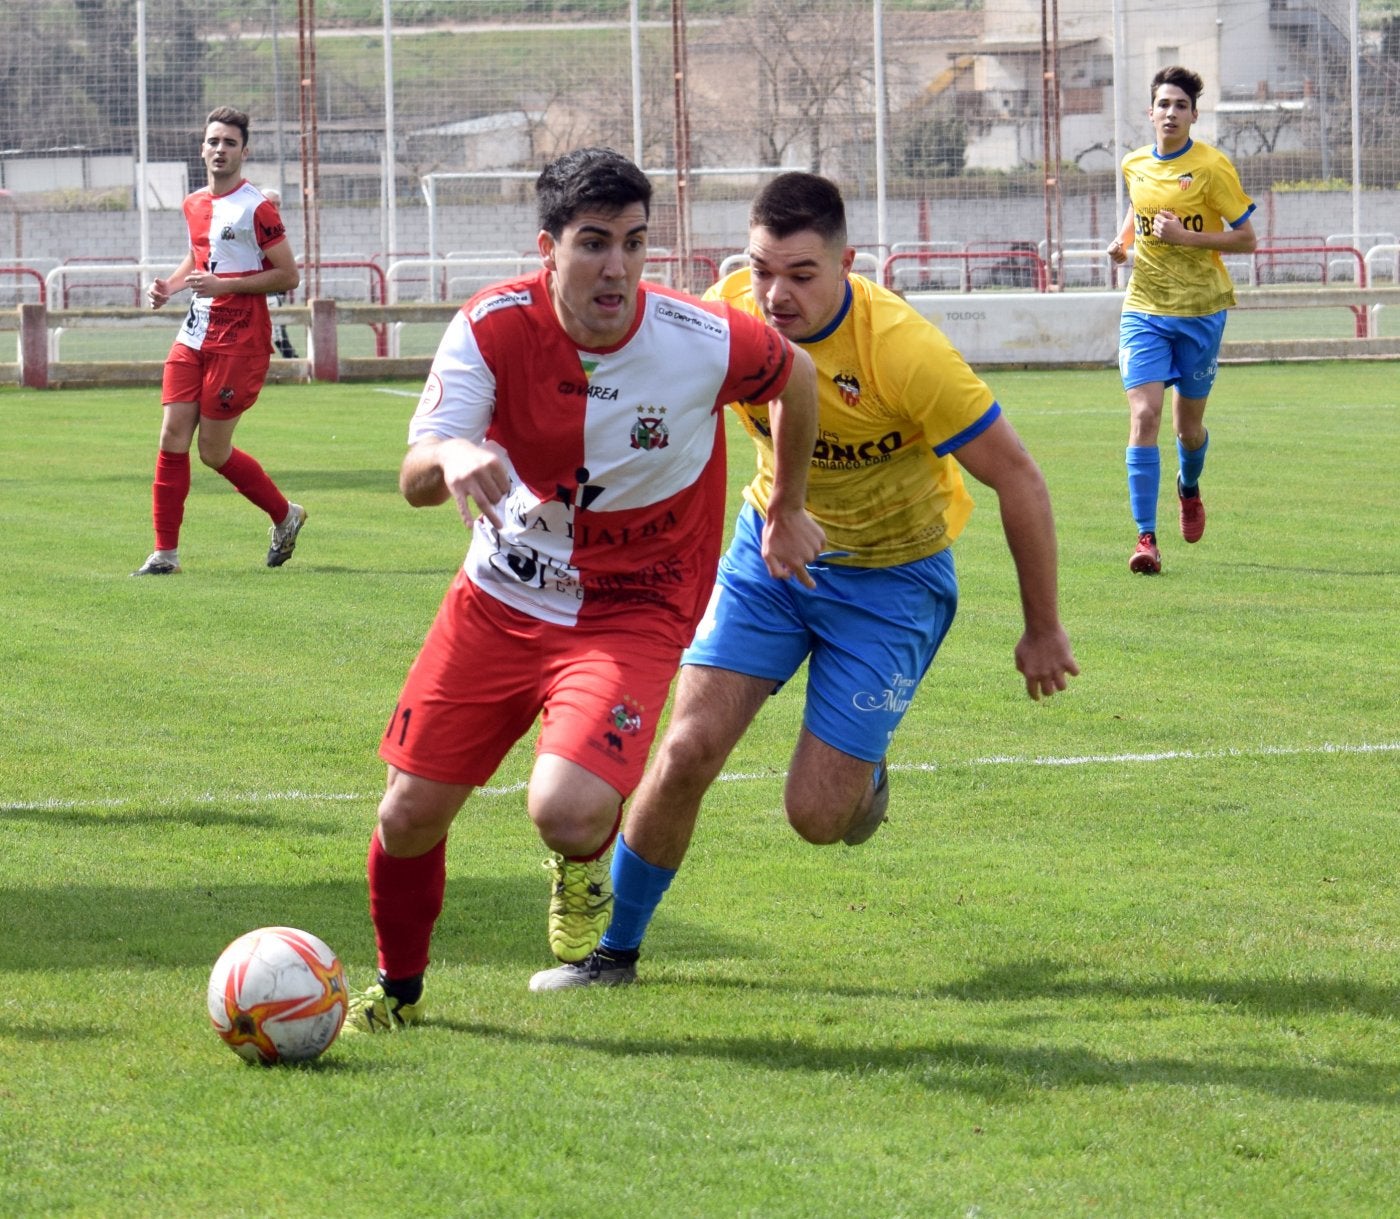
point(894, 697)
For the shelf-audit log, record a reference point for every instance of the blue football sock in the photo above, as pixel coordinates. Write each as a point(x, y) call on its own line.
point(1144, 481)
point(1192, 461)
point(638, 888)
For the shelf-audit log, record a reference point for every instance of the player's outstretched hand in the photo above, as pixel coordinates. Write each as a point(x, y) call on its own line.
point(475, 471)
point(158, 292)
point(1046, 661)
point(791, 540)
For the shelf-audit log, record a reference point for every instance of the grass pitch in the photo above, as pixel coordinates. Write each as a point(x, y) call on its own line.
point(1131, 951)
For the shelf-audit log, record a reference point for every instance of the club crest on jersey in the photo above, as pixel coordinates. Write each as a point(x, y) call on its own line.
point(650, 431)
point(1185, 181)
point(849, 386)
point(227, 234)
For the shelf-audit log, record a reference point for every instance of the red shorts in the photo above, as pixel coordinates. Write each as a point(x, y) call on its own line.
point(224, 383)
point(486, 671)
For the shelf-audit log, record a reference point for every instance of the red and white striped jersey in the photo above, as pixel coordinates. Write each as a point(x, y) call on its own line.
point(228, 234)
point(616, 456)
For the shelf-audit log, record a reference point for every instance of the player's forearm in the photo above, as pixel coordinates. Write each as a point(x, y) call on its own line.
point(260, 283)
point(176, 279)
point(421, 480)
point(1230, 241)
point(1029, 524)
point(794, 422)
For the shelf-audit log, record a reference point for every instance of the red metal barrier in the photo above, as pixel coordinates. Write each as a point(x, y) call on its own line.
point(79, 260)
point(701, 260)
point(1359, 311)
point(21, 272)
point(376, 280)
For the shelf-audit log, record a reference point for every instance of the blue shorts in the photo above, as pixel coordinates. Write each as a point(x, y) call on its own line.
point(1180, 351)
point(870, 632)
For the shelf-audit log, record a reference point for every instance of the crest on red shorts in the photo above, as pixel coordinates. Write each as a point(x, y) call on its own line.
point(626, 717)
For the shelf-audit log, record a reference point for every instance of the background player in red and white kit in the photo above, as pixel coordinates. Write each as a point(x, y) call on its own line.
point(239, 253)
point(582, 411)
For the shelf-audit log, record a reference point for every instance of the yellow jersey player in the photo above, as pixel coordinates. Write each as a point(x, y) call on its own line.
point(1187, 208)
point(899, 411)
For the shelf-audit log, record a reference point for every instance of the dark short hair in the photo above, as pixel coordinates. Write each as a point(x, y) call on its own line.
point(794, 202)
point(230, 118)
point(588, 178)
point(1183, 78)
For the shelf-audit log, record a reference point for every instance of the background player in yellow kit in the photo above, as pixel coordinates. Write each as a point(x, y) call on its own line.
point(1187, 208)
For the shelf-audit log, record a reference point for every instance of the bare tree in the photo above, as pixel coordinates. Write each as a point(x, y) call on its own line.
point(806, 88)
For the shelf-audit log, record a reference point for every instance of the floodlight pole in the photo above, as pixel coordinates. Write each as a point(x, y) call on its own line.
point(391, 165)
point(678, 67)
point(1120, 109)
point(881, 202)
point(143, 209)
point(310, 140)
point(277, 107)
point(634, 25)
point(1355, 124)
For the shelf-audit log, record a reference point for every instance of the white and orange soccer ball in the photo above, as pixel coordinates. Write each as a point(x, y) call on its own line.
point(277, 995)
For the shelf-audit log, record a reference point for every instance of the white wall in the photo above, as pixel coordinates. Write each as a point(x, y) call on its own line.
point(46, 239)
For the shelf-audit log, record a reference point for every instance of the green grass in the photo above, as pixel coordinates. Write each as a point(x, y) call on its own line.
point(1128, 952)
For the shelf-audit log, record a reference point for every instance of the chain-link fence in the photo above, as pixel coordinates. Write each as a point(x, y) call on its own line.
point(935, 118)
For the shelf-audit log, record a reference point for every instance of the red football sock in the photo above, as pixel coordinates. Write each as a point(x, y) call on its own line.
point(253, 484)
point(168, 494)
point(405, 899)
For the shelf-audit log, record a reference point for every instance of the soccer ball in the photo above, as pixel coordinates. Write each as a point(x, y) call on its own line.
point(277, 995)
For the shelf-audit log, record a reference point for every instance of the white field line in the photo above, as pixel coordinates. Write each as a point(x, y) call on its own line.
point(1100, 759)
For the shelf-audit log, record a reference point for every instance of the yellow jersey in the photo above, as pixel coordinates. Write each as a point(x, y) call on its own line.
point(895, 399)
point(1199, 185)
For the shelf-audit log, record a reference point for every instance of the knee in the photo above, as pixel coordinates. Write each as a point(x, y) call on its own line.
point(213, 457)
point(688, 757)
point(1191, 436)
point(571, 825)
point(410, 825)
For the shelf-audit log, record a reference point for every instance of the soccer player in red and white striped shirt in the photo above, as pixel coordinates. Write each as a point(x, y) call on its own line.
point(239, 253)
